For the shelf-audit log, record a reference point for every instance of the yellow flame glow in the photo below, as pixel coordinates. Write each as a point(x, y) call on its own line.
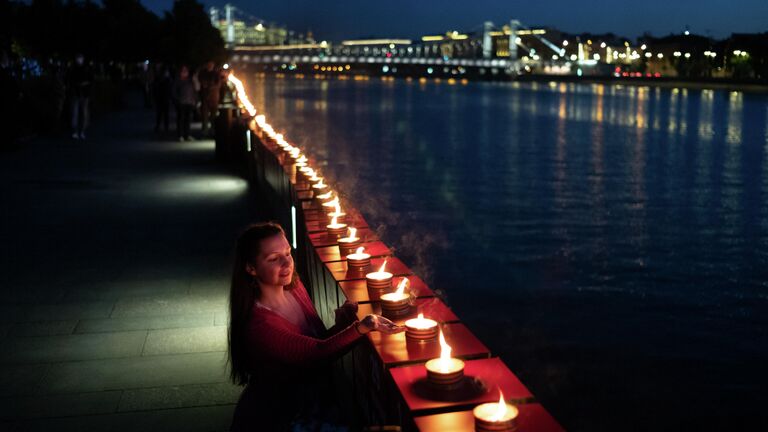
point(501, 409)
point(352, 232)
point(445, 354)
point(383, 266)
point(241, 95)
point(335, 220)
point(421, 316)
point(401, 286)
point(360, 250)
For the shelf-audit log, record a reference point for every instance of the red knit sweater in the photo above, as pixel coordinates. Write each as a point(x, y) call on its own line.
point(275, 342)
point(288, 369)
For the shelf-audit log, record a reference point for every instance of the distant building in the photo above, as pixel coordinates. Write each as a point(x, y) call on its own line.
point(240, 29)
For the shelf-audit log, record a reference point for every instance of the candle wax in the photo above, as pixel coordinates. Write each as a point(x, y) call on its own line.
point(488, 412)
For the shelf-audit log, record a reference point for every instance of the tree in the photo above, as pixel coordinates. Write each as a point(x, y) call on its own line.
point(189, 37)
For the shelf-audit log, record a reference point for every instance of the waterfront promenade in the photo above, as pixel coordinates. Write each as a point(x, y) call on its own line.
point(116, 255)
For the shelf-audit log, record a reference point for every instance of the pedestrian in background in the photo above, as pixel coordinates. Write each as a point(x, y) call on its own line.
point(185, 98)
point(79, 81)
point(208, 77)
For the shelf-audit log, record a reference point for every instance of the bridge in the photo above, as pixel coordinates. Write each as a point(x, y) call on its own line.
point(487, 51)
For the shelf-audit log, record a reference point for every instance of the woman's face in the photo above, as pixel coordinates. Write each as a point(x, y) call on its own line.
point(274, 264)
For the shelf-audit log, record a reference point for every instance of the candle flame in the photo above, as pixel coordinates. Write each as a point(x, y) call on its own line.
point(331, 203)
point(421, 316)
point(261, 120)
point(302, 159)
point(360, 250)
point(383, 266)
point(337, 207)
point(445, 354)
point(401, 286)
point(351, 232)
point(279, 137)
point(501, 409)
point(242, 97)
point(325, 195)
point(335, 220)
point(320, 184)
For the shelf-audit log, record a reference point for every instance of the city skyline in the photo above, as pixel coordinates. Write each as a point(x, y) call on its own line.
point(345, 19)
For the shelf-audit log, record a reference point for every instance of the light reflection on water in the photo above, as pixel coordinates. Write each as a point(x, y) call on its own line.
point(600, 238)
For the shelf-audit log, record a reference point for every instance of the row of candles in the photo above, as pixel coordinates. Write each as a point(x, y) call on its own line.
point(444, 372)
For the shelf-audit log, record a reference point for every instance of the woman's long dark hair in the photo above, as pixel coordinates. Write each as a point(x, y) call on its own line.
point(243, 292)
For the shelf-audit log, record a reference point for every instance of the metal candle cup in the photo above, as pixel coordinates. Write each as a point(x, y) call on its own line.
point(336, 229)
point(398, 303)
point(330, 206)
point(319, 188)
point(445, 372)
point(359, 260)
point(340, 216)
point(348, 245)
point(378, 282)
point(395, 305)
point(493, 417)
point(420, 329)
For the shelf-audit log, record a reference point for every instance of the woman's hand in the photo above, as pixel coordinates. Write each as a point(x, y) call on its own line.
point(347, 313)
point(378, 323)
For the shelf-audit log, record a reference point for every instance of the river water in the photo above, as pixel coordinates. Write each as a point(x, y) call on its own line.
point(610, 243)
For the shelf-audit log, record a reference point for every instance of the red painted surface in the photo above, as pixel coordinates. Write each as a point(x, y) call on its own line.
point(357, 291)
point(532, 418)
point(431, 307)
point(484, 378)
point(395, 350)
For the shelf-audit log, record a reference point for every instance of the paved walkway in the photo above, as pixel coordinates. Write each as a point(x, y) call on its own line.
point(115, 255)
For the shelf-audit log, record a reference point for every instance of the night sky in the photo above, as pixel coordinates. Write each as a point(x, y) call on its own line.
point(339, 19)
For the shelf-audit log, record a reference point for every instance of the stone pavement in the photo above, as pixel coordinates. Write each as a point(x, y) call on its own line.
point(115, 255)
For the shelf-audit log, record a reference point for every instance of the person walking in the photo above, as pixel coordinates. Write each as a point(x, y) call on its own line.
point(79, 81)
point(185, 98)
point(209, 81)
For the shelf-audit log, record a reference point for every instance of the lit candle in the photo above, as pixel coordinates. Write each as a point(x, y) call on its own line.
point(396, 303)
point(329, 206)
point(349, 243)
point(378, 282)
point(325, 196)
point(319, 187)
point(494, 416)
point(335, 228)
point(420, 329)
point(358, 260)
point(338, 213)
point(445, 371)
point(261, 120)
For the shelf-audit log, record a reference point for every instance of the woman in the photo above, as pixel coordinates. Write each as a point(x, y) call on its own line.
point(278, 346)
